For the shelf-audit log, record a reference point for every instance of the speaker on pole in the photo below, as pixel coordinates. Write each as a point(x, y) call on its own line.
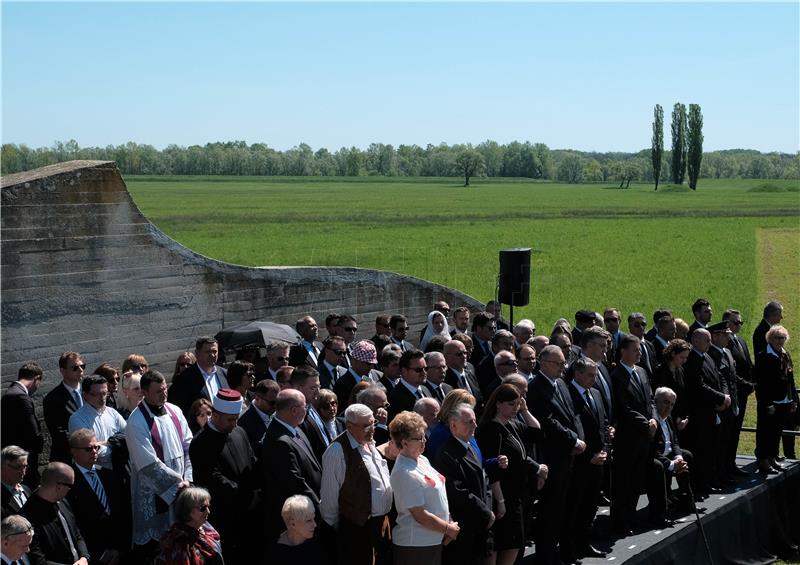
point(515, 276)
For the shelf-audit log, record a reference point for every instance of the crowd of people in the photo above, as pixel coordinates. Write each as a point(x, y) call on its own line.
point(372, 451)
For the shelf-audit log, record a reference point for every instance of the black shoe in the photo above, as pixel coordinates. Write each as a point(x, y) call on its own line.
point(591, 551)
point(713, 490)
point(661, 523)
point(622, 532)
point(738, 472)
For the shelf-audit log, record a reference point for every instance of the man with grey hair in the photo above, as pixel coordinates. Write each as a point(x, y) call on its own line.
point(523, 331)
point(356, 492)
point(13, 465)
point(428, 408)
point(374, 397)
point(468, 490)
point(16, 534)
point(290, 466)
point(277, 357)
point(773, 314)
point(504, 363)
point(56, 536)
point(437, 368)
point(502, 340)
point(550, 403)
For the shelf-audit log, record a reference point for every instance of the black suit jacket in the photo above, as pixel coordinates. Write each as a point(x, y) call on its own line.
point(290, 467)
point(402, 399)
point(659, 442)
point(760, 337)
point(59, 405)
point(327, 379)
point(299, 355)
point(189, 386)
point(98, 527)
point(451, 378)
point(658, 347)
point(254, 427)
point(10, 506)
point(609, 407)
point(19, 424)
point(486, 374)
point(705, 390)
point(744, 365)
point(344, 386)
point(404, 344)
point(49, 544)
point(225, 465)
point(468, 497)
point(634, 403)
point(648, 360)
point(774, 378)
point(315, 436)
point(595, 425)
point(439, 394)
point(380, 342)
point(560, 424)
point(726, 366)
point(478, 352)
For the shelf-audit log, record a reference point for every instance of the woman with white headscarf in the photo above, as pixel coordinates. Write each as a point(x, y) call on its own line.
point(436, 326)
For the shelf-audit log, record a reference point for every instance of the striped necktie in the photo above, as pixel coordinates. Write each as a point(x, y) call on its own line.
point(97, 487)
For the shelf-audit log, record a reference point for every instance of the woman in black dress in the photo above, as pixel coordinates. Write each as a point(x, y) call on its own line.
point(502, 432)
point(776, 398)
point(670, 374)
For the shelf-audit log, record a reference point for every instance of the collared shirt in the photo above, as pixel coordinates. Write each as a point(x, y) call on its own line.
point(483, 344)
point(287, 426)
point(266, 418)
point(104, 423)
point(214, 381)
point(662, 340)
point(412, 389)
point(18, 494)
point(333, 472)
point(75, 393)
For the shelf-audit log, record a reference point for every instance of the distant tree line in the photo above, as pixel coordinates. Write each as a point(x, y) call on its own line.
point(490, 159)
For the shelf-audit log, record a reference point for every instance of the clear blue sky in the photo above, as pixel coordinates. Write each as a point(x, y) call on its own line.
point(583, 76)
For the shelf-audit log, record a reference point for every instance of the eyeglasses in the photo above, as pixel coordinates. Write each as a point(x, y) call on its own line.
point(418, 369)
point(350, 330)
point(89, 448)
point(140, 367)
point(559, 363)
point(81, 367)
point(405, 329)
point(18, 467)
point(738, 323)
point(68, 485)
point(639, 325)
point(281, 358)
point(338, 351)
point(510, 363)
point(265, 399)
point(607, 320)
point(422, 439)
point(461, 353)
point(205, 508)
point(437, 367)
point(28, 532)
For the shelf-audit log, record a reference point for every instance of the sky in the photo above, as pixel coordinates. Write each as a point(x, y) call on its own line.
point(572, 75)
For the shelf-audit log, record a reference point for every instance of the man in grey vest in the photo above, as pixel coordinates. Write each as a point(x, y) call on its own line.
point(356, 494)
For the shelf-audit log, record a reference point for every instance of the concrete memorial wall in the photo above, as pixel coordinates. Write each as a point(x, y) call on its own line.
point(84, 270)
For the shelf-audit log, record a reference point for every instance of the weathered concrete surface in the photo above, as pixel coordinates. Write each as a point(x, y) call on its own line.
point(83, 270)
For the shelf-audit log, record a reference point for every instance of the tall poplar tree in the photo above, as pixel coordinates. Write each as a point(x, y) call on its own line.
point(678, 143)
point(695, 143)
point(657, 149)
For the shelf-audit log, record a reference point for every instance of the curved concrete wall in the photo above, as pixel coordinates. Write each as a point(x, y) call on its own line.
point(84, 270)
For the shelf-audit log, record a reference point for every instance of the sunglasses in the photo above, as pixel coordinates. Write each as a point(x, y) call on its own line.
point(141, 367)
point(205, 508)
point(81, 367)
point(338, 351)
point(350, 330)
point(88, 449)
point(418, 369)
point(68, 485)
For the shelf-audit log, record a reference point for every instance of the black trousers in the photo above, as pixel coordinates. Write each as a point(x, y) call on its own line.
point(659, 484)
point(582, 496)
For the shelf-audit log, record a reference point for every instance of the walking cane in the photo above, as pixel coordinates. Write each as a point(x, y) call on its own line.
point(699, 522)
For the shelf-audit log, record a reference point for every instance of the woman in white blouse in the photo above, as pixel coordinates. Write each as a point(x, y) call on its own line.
point(423, 517)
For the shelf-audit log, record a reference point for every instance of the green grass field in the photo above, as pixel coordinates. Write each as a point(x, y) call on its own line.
point(735, 242)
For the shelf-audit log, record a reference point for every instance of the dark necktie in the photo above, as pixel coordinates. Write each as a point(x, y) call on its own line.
point(418, 394)
point(590, 402)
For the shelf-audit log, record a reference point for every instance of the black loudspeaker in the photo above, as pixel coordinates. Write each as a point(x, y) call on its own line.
point(515, 276)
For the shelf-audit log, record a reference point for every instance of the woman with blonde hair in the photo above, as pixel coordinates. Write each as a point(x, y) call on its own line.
point(131, 393)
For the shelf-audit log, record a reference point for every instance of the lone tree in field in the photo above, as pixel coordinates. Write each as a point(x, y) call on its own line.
point(678, 143)
point(695, 141)
point(657, 149)
point(470, 163)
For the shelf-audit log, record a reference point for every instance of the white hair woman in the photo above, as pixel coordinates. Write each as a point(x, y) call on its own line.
point(191, 539)
point(297, 545)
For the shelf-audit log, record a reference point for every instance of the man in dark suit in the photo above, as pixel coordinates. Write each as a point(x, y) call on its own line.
point(483, 328)
point(708, 396)
point(666, 460)
point(389, 360)
point(13, 464)
point(702, 315)
point(550, 403)
point(665, 332)
point(224, 463)
point(594, 347)
point(726, 367)
point(19, 425)
point(409, 389)
point(460, 373)
point(460, 321)
point(773, 314)
point(583, 319)
point(587, 472)
point(47, 512)
point(202, 380)
point(306, 380)
point(308, 350)
point(485, 371)
point(93, 499)
point(256, 418)
point(468, 493)
point(16, 534)
point(635, 428)
point(362, 368)
point(744, 385)
point(383, 332)
point(657, 315)
point(399, 328)
point(647, 360)
point(494, 308)
point(289, 464)
point(437, 367)
point(62, 402)
point(330, 361)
